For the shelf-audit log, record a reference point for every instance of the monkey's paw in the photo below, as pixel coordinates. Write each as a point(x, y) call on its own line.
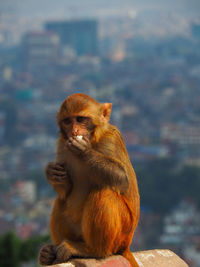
point(78, 145)
point(56, 173)
point(63, 253)
point(47, 255)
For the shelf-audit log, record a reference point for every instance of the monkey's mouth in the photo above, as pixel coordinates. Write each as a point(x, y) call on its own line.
point(78, 136)
point(82, 136)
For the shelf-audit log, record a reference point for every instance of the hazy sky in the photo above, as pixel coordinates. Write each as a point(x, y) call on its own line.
point(96, 7)
point(154, 17)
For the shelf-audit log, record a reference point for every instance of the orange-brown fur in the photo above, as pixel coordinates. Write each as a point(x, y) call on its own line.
point(94, 215)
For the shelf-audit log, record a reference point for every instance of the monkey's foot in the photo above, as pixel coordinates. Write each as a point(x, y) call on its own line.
point(63, 253)
point(47, 255)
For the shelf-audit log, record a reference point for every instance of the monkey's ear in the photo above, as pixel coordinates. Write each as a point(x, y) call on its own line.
point(106, 110)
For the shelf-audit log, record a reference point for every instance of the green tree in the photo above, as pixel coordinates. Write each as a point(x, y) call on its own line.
point(30, 247)
point(14, 251)
point(162, 185)
point(10, 247)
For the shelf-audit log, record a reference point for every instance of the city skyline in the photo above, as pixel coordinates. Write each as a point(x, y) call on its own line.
point(144, 18)
point(146, 62)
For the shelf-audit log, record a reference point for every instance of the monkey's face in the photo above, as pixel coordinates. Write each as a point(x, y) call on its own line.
point(73, 126)
point(81, 115)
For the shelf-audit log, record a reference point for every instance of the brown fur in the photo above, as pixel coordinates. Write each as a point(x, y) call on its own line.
point(97, 208)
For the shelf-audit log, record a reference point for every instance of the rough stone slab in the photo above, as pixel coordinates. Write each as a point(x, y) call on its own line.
point(114, 261)
point(159, 258)
point(149, 258)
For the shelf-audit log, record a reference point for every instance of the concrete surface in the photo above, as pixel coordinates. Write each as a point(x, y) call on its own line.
point(149, 258)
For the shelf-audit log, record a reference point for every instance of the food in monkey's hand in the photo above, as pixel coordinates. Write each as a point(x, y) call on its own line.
point(80, 137)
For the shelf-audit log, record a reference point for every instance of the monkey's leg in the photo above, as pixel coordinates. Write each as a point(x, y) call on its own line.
point(68, 249)
point(109, 222)
point(47, 255)
point(107, 229)
point(99, 229)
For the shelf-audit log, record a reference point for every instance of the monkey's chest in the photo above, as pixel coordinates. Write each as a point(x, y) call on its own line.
point(80, 189)
point(78, 174)
point(74, 207)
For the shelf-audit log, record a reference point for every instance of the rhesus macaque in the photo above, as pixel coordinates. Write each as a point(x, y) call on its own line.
point(97, 208)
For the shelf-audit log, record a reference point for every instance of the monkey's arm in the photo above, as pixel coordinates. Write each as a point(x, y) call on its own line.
point(107, 170)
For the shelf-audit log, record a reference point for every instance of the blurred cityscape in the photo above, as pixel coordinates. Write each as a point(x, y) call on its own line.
point(152, 77)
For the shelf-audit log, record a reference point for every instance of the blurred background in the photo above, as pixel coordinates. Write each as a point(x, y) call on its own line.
point(144, 57)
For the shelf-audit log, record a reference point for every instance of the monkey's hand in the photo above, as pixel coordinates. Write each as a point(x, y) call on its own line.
point(56, 173)
point(78, 146)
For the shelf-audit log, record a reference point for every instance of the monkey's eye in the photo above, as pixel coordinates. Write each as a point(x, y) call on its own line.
point(80, 119)
point(67, 121)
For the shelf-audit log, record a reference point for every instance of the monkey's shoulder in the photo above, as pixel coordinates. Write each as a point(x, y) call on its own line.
point(112, 133)
point(111, 141)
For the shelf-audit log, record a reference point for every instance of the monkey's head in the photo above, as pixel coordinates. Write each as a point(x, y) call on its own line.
point(81, 115)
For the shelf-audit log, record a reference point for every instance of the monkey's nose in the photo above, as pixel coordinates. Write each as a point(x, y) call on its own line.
point(75, 132)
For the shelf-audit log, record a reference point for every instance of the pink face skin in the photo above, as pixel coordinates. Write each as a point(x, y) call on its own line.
point(78, 133)
point(77, 126)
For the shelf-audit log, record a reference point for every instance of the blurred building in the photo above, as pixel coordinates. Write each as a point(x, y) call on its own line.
point(26, 191)
point(196, 31)
point(79, 35)
point(181, 229)
point(40, 53)
point(2, 126)
point(181, 134)
point(186, 137)
point(8, 122)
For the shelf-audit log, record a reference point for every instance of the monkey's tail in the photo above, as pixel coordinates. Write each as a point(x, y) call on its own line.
point(129, 256)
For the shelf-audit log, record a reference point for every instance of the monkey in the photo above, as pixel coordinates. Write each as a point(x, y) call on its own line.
point(96, 211)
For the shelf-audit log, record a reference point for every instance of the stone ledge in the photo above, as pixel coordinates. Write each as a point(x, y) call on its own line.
point(149, 258)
